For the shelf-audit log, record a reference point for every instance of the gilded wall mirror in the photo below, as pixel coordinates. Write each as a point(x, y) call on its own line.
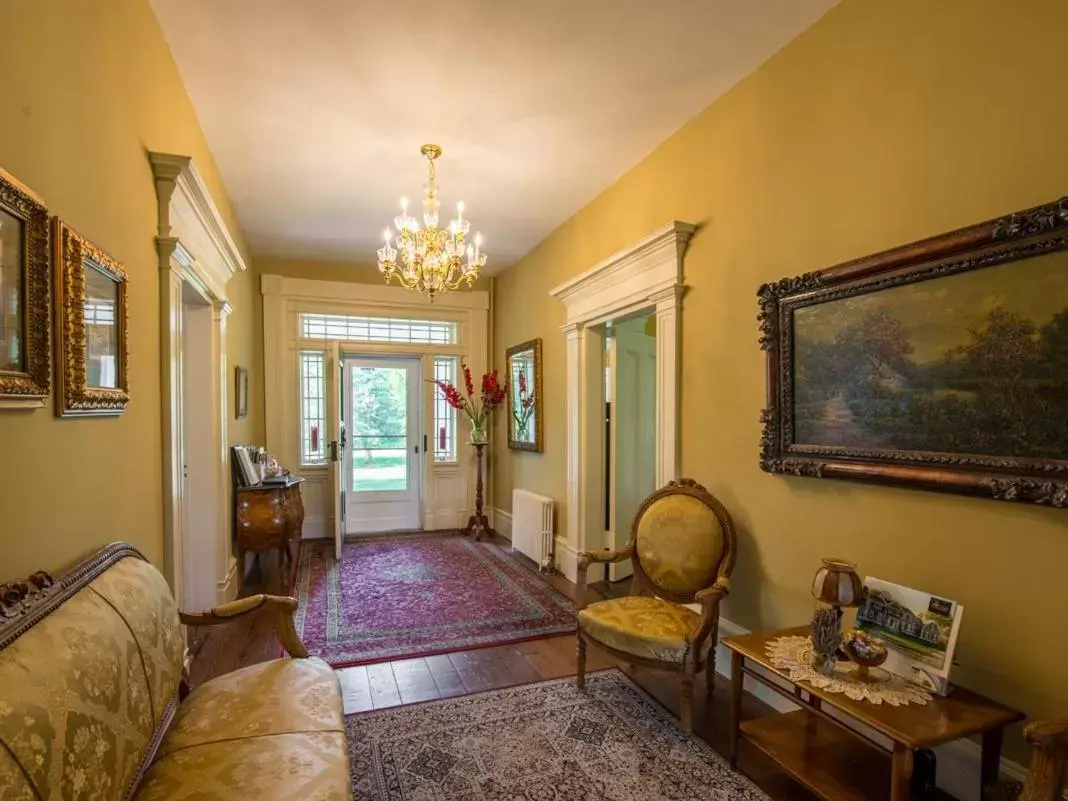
point(525, 396)
point(25, 297)
point(90, 328)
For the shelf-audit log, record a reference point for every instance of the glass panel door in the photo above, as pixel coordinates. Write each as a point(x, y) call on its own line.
point(384, 454)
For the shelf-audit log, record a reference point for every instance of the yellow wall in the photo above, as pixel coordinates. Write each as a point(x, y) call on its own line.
point(882, 124)
point(84, 95)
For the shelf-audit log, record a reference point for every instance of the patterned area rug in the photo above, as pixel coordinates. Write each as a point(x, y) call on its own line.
point(409, 595)
point(538, 742)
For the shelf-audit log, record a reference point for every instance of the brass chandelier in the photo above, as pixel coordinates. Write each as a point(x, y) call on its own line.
point(432, 260)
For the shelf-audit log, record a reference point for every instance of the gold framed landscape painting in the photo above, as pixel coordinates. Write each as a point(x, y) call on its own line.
point(25, 297)
point(942, 364)
point(91, 328)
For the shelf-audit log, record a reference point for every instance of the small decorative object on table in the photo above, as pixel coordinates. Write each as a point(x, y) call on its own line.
point(477, 410)
point(919, 630)
point(826, 637)
point(835, 585)
point(867, 652)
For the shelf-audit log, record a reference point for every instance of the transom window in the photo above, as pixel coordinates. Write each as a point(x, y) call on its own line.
point(378, 329)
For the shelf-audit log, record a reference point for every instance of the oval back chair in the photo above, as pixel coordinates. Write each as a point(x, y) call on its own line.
point(682, 550)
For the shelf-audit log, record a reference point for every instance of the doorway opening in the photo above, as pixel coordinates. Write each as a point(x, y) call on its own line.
point(199, 491)
point(381, 414)
point(629, 453)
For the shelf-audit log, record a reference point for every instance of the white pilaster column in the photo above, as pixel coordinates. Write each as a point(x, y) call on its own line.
point(226, 587)
point(170, 298)
point(668, 359)
point(567, 551)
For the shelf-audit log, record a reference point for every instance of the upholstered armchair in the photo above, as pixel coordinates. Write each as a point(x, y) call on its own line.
point(1049, 765)
point(682, 549)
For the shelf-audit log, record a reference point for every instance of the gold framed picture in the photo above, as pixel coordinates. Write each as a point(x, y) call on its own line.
point(25, 297)
point(524, 401)
point(241, 392)
point(91, 337)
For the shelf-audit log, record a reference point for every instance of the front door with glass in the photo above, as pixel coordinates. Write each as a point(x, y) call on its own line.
point(383, 460)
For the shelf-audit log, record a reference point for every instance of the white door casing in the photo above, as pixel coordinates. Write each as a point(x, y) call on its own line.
point(448, 487)
point(336, 447)
point(646, 275)
point(195, 253)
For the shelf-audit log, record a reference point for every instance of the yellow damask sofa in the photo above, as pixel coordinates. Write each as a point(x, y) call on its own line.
point(90, 677)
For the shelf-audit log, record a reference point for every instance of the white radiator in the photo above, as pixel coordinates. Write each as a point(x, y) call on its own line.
point(532, 527)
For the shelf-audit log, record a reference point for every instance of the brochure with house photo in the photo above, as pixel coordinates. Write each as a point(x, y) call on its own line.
point(919, 629)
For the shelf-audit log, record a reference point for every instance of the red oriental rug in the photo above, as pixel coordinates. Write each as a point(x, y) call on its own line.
point(408, 595)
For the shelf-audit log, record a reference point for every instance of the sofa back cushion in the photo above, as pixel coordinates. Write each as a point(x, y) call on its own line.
point(87, 689)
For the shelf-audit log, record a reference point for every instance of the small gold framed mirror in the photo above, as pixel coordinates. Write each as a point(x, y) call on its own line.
point(25, 297)
point(525, 397)
point(91, 337)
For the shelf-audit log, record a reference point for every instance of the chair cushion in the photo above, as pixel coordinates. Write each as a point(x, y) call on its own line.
point(270, 731)
point(679, 544)
point(651, 628)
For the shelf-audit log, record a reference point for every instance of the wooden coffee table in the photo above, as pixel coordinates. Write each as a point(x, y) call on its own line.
point(833, 760)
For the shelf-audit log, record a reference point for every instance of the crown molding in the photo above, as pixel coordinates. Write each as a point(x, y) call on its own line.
point(636, 275)
point(188, 213)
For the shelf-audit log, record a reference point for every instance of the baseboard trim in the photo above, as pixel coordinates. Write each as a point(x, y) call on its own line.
point(958, 762)
point(501, 522)
point(566, 559)
point(226, 590)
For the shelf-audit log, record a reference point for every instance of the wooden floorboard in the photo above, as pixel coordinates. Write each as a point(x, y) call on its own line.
point(251, 639)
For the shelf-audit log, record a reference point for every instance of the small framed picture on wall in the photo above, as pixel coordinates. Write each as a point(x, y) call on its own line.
point(241, 391)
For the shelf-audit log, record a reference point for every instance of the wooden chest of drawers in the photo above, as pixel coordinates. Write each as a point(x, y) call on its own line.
point(267, 517)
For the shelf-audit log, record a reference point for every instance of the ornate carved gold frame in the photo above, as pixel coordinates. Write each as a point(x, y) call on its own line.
point(32, 385)
point(539, 407)
point(73, 397)
point(1025, 234)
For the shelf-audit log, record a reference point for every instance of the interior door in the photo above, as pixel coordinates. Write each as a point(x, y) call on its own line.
point(383, 468)
point(634, 424)
point(336, 422)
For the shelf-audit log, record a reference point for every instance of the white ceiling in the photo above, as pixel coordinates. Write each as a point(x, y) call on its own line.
point(315, 110)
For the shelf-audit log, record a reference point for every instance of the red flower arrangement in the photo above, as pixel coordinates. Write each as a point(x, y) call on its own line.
point(477, 408)
point(524, 409)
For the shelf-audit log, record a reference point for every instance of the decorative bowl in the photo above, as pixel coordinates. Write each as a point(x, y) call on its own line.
point(866, 651)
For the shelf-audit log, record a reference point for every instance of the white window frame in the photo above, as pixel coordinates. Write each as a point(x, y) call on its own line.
point(304, 400)
point(451, 418)
point(448, 487)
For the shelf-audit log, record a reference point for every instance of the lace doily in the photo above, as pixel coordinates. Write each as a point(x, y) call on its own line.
point(794, 656)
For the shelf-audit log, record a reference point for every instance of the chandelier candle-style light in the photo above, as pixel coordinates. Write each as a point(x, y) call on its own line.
point(432, 259)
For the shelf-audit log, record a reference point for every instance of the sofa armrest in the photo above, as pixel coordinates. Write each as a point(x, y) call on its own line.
point(283, 618)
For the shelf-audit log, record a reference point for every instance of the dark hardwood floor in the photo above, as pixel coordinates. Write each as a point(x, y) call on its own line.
point(251, 639)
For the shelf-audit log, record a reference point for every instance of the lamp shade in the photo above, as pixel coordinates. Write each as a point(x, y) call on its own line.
point(837, 583)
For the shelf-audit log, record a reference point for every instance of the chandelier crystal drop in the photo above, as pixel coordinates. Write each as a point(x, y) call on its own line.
point(431, 259)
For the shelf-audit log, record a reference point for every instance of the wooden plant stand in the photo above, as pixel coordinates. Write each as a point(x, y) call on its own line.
point(836, 761)
point(478, 526)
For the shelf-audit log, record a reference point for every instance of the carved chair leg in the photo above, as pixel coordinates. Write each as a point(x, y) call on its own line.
point(686, 703)
point(580, 663)
point(710, 674)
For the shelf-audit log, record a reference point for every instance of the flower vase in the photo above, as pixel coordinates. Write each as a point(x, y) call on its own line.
point(478, 432)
